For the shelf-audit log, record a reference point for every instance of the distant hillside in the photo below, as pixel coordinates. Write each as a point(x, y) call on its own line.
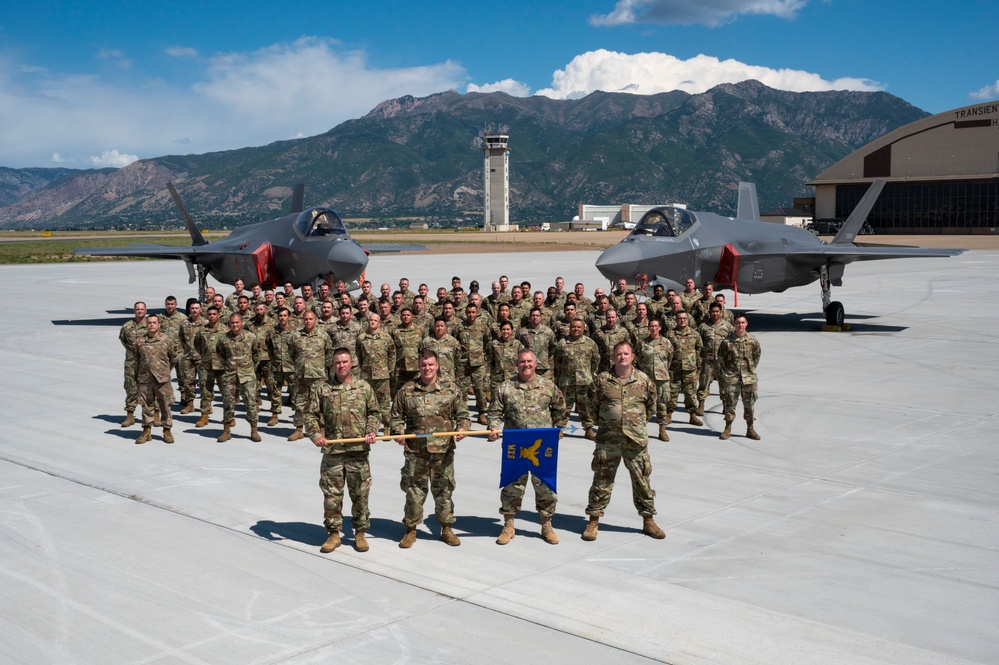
point(412, 156)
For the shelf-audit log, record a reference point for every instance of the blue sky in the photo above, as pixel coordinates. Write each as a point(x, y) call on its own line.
point(86, 84)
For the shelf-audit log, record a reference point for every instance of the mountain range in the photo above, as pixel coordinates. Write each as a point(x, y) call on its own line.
point(421, 157)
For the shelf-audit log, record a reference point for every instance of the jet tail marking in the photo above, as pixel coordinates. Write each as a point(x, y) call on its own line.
point(749, 207)
point(859, 215)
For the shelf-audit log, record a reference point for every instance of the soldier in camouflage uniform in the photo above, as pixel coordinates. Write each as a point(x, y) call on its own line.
point(344, 333)
point(446, 347)
point(422, 406)
point(639, 326)
point(623, 399)
point(577, 360)
point(657, 304)
point(690, 297)
point(519, 306)
point(616, 297)
point(539, 338)
point(655, 355)
point(129, 333)
point(529, 400)
point(738, 356)
point(473, 336)
point(687, 347)
point(503, 356)
point(312, 352)
point(407, 338)
point(240, 352)
point(155, 354)
point(171, 321)
point(232, 302)
point(713, 332)
point(376, 356)
point(344, 408)
point(260, 325)
point(190, 359)
point(583, 304)
point(422, 319)
point(212, 366)
point(608, 336)
point(279, 341)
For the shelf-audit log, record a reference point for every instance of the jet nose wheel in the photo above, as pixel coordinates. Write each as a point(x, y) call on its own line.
point(835, 315)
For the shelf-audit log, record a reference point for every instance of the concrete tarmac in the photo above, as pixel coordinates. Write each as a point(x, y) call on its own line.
point(862, 528)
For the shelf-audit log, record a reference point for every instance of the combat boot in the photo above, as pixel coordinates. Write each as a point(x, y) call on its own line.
point(297, 434)
point(167, 435)
point(447, 536)
point(547, 532)
point(226, 434)
point(663, 436)
point(669, 418)
point(273, 421)
point(700, 408)
point(254, 434)
point(591, 529)
point(728, 430)
point(331, 543)
point(590, 434)
point(202, 421)
point(408, 538)
point(508, 532)
point(232, 423)
point(188, 408)
point(129, 419)
point(360, 541)
point(750, 432)
point(482, 420)
point(147, 433)
point(694, 420)
point(651, 529)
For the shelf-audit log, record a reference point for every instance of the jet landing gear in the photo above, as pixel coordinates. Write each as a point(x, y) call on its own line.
point(835, 314)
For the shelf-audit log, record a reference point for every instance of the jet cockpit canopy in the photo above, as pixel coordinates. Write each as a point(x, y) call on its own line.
point(665, 222)
point(319, 222)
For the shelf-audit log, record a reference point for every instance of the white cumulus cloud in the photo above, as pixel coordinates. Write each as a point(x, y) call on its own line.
point(689, 12)
point(509, 86)
point(59, 159)
point(116, 56)
point(650, 73)
point(181, 52)
point(113, 158)
point(988, 92)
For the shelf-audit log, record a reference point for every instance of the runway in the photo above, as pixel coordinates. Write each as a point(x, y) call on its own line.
point(862, 528)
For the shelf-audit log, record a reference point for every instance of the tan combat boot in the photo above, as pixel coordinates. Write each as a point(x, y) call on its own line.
point(297, 434)
point(508, 532)
point(750, 432)
point(408, 538)
point(663, 436)
point(167, 435)
point(728, 430)
point(694, 420)
point(202, 421)
point(129, 419)
point(273, 421)
point(591, 529)
point(447, 536)
point(669, 418)
point(651, 529)
point(590, 434)
point(254, 434)
point(360, 541)
point(226, 434)
point(700, 408)
point(547, 532)
point(188, 408)
point(147, 433)
point(331, 543)
point(482, 420)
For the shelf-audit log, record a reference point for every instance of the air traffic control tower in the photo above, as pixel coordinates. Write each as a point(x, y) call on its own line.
point(496, 172)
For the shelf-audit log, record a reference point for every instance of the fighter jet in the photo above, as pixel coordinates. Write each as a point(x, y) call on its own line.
point(305, 247)
point(670, 244)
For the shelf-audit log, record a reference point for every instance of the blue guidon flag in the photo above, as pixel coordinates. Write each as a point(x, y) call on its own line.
point(534, 450)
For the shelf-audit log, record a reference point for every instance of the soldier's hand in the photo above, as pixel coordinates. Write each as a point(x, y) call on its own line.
point(401, 442)
point(369, 438)
point(320, 442)
point(458, 437)
point(493, 435)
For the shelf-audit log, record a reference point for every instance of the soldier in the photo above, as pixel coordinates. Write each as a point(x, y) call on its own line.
point(473, 338)
point(190, 358)
point(538, 338)
point(529, 400)
point(279, 341)
point(407, 295)
point(738, 356)
point(617, 295)
point(297, 320)
point(560, 293)
point(519, 308)
point(598, 317)
point(256, 295)
point(639, 326)
point(726, 313)
point(344, 333)
point(627, 314)
point(449, 314)
point(128, 335)
point(622, 398)
point(367, 296)
point(483, 314)
point(326, 318)
point(503, 356)
point(657, 304)
point(240, 351)
point(504, 288)
point(310, 300)
point(669, 317)
point(312, 352)
point(363, 311)
point(270, 301)
point(345, 408)
point(422, 319)
point(376, 356)
point(437, 308)
point(422, 406)
point(713, 332)
point(687, 347)
point(260, 325)
point(493, 300)
point(212, 366)
point(171, 321)
point(583, 304)
point(407, 338)
point(502, 314)
point(655, 355)
point(564, 320)
point(608, 336)
point(577, 360)
point(155, 354)
point(224, 310)
point(447, 349)
point(232, 302)
point(389, 320)
point(690, 296)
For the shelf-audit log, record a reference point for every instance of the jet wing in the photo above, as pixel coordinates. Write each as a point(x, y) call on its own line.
point(199, 254)
point(381, 249)
point(844, 253)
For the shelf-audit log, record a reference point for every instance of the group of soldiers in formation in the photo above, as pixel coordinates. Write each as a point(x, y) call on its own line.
point(404, 363)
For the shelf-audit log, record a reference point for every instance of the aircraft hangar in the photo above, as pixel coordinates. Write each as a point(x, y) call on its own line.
point(942, 176)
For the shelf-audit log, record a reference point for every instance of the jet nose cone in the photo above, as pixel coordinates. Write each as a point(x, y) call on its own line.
point(621, 260)
point(348, 260)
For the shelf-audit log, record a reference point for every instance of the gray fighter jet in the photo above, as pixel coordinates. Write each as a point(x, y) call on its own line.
point(672, 244)
point(305, 247)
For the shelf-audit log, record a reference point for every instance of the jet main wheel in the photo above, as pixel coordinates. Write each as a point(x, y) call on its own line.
point(835, 315)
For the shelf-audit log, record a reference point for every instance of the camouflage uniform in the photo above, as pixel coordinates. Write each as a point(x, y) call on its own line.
point(241, 354)
point(312, 353)
point(212, 366)
point(519, 311)
point(639, 330)
point(691, 301)
point(541, 340)
point(520, 405)
point(282, 366)
point(474, 341)
point(128, 335)
point(712, 335)
point(171, 325)
point(623, 406)
point(155, 356)
point(448, 352)
point(576, 363)
point(738, 357)
point(261, 328)
point(343, 411)
point(346, 336)
point(654, 357)
point(617, 300)
point(606, 339)
point(376, 357)
point(657, 307)
point(502, 362)
point(418, 409)
point(190, 361)
point(407, 354)
point(687, 346)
